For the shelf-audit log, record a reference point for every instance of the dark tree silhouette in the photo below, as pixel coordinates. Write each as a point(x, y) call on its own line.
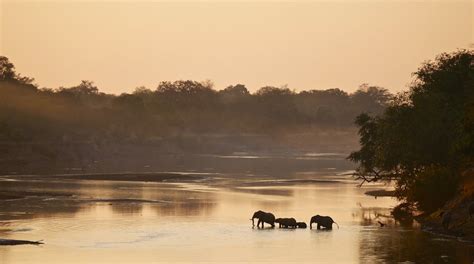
point(8, 73)
point(424, 140)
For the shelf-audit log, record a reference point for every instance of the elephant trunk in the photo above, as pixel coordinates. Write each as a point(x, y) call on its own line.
point(253, 223)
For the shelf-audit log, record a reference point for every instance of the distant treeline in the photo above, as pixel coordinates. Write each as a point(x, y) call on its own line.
point(29, 113)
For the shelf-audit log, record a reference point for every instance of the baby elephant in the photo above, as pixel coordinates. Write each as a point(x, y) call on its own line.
point(286, 222)
point(301, 224)
point(322, 221)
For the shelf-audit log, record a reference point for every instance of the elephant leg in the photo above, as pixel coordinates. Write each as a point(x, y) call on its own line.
point(319, 226)
point(310, 225)
point(259, 222)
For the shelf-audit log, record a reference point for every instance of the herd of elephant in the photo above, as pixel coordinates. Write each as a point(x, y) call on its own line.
point(269, 218)
point(326, 221)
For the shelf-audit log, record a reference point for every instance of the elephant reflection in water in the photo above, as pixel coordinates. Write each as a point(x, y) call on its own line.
point(263, 217)
point(322, 221)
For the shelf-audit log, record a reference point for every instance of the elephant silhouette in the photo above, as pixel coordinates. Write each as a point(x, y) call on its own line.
point(286, 222)
point(263, 217)
point(301, 224)
point(322, 221)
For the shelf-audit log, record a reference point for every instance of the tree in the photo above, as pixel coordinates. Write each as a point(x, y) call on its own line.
point(85, 88)
point(142, 91)
point(277, 106)
point(7, 72)
point(423, 140)
point(234, 94)
point(372, 98)
point(326, 107)
point(236, 90)
point(7, 69)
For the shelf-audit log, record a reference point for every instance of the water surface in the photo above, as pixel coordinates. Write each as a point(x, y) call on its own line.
point(207, 220)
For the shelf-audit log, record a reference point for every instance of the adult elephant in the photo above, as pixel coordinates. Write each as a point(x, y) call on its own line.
point(322, 221)
point(286, 222)
point(263, 217)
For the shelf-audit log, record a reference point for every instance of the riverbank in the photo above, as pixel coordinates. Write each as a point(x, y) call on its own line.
point(460, 226)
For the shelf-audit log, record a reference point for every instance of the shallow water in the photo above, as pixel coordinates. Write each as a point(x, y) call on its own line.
point(207, 220)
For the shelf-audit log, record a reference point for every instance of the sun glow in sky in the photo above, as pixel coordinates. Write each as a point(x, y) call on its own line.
point(305, 44)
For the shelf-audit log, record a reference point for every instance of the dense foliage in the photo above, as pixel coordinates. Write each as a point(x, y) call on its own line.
point(425, 139)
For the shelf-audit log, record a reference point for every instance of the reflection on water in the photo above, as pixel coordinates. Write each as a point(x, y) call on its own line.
point(86, 221)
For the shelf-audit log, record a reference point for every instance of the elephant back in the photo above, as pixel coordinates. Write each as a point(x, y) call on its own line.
point(271, 217)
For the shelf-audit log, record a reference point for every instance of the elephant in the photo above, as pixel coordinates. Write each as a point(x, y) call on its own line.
point(446, 219)
point(301, 224)
point(286, 222)
point(471, 209)
point(263, 217)
point(322, 221)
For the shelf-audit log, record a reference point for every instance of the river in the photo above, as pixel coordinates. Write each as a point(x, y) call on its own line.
point(206, 219)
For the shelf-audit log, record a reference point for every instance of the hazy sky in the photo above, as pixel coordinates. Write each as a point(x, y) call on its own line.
point(306, 44)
